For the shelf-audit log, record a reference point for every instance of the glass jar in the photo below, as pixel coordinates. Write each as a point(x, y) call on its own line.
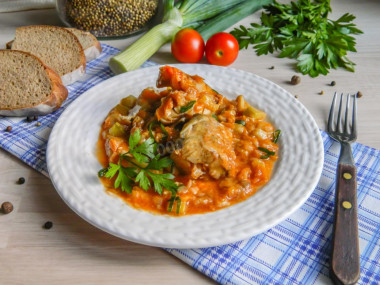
point(108, 18)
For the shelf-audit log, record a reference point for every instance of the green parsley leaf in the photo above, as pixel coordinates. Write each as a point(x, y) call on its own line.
point(143, 180)
point(163, 180)
point(187, 107)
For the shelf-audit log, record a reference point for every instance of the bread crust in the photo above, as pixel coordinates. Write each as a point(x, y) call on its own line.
point(57, 96)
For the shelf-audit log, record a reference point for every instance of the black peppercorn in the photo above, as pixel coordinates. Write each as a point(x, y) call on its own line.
point(48, 225)
point(21, 180)
point(332, 83)
point(7, 207)
point(8, 129)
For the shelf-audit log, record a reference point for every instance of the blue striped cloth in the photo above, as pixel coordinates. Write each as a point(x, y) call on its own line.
point(296, 251)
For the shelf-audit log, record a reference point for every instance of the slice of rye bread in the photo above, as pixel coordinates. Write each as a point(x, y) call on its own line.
point(57, 47)
point(90, 44)
point(28, 86)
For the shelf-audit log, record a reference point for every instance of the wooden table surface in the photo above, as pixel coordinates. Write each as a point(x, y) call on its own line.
point(74, 252)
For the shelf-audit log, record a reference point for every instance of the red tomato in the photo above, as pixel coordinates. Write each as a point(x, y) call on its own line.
point(222, 49)
point(188, 46)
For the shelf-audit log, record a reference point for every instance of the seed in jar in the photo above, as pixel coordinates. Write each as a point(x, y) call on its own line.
point(7, 207)
point(295, 80)
point(110, 18)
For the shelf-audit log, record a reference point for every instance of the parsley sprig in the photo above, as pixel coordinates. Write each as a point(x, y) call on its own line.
point(143, 162)
point(302, 30)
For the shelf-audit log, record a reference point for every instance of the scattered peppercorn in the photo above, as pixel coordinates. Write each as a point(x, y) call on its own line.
point(333, 83)
point(272, 67)
point(21, 180)
point(359, 94)
point(8, 129)
point(48, 225)
point(7, 207)
point(322, 92)
point(295, 80)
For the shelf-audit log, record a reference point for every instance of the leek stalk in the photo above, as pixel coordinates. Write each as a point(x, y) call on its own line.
point(207, 16)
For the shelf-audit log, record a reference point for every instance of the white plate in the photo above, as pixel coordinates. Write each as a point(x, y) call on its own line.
point(73, 165)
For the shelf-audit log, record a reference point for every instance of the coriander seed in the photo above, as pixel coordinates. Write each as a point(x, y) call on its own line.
point(272, 67)
point(359, 94)
point(7, 207)
point(322, 92)
point(295, 80)
point(38, 124)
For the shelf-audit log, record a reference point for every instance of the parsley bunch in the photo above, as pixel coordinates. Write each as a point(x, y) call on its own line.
point(143, 161)
point(302, 30)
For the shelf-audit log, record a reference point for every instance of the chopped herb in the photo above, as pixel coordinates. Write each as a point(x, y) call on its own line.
point(187, 107)
point(215, 91)
point(171, 202)
point(241, 122)
point(215, 117)
point(267, 151)
point(102, 172)
point(166, 134)
point(276, 135)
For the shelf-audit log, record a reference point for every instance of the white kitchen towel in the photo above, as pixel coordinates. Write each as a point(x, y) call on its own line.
point(20, 5)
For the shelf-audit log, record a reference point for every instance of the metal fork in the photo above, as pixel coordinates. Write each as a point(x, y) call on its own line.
point(345, 259)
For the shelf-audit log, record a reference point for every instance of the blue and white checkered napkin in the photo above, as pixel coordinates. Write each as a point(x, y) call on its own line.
point(294, 252)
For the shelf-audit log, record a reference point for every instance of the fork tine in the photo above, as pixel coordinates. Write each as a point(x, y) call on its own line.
point(346, 114)
point(338, 121)
point(330, 120)
point(353, 127)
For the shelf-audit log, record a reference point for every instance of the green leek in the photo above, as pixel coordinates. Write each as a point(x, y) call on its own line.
point(207, 16)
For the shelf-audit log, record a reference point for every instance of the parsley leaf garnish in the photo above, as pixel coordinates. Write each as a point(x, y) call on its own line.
point(143, 162)
point(302, 30)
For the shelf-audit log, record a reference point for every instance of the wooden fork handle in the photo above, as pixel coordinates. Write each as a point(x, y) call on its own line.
point(345, 258)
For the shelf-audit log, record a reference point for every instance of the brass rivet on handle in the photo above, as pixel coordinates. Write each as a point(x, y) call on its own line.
point(346, 205)
point(347, 176)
